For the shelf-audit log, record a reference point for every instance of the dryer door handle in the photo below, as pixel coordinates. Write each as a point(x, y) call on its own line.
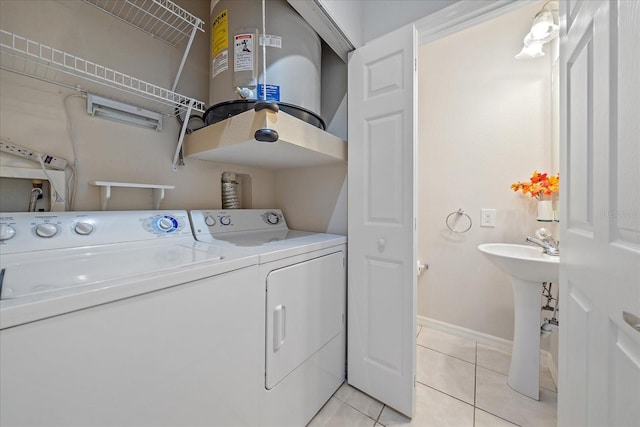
point(279, 326)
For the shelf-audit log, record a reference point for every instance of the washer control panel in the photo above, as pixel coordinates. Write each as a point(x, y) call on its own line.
point(164, 224)
point(224, 221)
point(32, 231)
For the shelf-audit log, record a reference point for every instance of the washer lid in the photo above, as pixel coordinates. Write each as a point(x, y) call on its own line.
point(69, 268)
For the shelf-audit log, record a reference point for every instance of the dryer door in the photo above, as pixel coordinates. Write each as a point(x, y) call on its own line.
point(305, 309)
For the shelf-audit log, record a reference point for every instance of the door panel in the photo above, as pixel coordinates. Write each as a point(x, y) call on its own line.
point(384, 170)
point(381, 295)
point(625, 388)
point(382, 242)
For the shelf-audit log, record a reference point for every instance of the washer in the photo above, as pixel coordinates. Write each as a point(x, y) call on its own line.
point(303, 280)
point(123, 318)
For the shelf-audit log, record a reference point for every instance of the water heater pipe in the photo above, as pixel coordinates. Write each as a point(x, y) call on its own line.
point(264, 52)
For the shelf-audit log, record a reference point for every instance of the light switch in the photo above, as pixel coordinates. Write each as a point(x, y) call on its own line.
point(488, 218)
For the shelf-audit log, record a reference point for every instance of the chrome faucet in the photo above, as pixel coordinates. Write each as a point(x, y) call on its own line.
point(548, 244)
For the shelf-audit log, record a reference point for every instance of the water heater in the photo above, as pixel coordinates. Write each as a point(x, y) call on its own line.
point(293, 58)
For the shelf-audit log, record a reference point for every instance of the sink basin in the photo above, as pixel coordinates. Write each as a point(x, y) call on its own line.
point(528, 267)
point(523, 262)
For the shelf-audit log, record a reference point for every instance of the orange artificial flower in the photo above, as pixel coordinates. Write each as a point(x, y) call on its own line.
point(539, 185)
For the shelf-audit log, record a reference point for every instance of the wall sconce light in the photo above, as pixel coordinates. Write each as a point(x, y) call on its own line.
point(531, 49)
point(543, 29)
point(110, 109)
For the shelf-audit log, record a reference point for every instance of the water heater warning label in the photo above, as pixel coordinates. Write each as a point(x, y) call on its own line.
point(243, 52)
point(220, 63)
point(219, 33)
point(273, 92)
point(220, 44)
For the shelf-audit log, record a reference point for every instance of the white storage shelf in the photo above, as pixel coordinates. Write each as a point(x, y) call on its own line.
point(105, 191)
point(299, 145)
point(161, 19)
point(28, 57)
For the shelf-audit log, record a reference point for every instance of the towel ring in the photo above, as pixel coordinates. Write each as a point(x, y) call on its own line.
point(458, 214)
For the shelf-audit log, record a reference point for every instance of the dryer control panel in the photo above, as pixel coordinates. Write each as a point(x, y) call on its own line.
point(214, 222)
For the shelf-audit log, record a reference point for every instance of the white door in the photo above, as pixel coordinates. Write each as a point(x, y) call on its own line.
point(382, 215)
point(599, 366)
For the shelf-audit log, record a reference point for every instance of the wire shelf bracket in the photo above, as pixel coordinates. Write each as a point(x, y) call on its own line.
point(161, 19)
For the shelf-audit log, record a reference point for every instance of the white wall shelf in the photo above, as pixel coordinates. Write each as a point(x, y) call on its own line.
point(105, 191)
point(27, 57)
point(162, 19)
point(231, 141)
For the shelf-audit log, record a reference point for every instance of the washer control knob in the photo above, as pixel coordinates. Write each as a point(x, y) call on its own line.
point(273, 218)
point(6, 232)
point(225, 220)
point(165, 224)
point(209, 220)
point(83, 228)
point(46, 230)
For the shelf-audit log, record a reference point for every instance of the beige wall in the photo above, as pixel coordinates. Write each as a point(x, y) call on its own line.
point(314, 199)
point(484, 122)
point(32, 114)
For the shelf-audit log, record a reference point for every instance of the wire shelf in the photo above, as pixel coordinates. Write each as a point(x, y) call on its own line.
point(161, 19)
point(33, 59)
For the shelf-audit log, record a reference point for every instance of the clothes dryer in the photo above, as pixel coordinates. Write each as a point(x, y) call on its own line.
point(303, 276)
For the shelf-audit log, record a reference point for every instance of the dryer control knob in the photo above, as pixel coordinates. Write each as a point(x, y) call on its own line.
point(225, 220)
point(6, 232)
point(209, 220)
point(83, 228)
point(273, 218)
point(46, 230)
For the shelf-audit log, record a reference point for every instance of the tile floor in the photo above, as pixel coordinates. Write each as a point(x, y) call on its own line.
point(460, 383)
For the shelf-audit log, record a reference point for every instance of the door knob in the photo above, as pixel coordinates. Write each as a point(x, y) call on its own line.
point(632, 320)
point(381, 243)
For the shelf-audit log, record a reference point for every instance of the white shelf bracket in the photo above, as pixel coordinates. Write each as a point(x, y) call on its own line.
point(158, 196)
point(185, 123)
point(105, 195)
point(105, 191)
point(186, 53)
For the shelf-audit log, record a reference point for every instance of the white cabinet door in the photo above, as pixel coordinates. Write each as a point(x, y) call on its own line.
point(382, 212)
point(599, 369)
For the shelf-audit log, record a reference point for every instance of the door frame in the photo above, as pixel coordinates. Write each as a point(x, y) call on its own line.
point(462, 15)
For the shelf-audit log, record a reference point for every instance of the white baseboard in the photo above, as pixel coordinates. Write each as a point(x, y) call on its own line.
point(479, 337)
point(486, 339)
point(547, 359)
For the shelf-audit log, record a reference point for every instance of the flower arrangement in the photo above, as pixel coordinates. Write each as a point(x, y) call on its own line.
point(539, 185)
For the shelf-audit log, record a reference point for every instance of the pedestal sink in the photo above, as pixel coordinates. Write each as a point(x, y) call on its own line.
point(528, 267)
